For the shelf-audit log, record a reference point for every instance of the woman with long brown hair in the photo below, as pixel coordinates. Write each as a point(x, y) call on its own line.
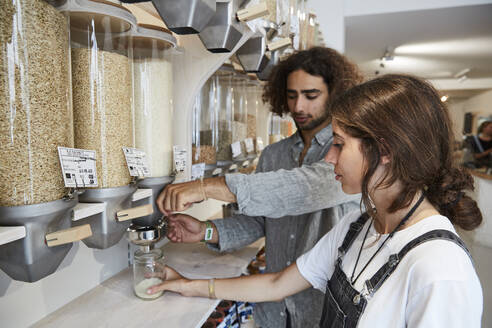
point(400, 263)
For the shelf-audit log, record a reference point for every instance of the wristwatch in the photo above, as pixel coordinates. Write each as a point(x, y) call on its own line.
point(209, 231)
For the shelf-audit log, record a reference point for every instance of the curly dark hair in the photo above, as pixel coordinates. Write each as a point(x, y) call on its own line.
point(337, 71)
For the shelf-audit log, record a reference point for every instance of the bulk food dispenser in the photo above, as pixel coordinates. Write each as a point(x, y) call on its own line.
point(36, 118)
point(239, 122)
point(252, 105)
point(205, 133)
point(225, 113)
point(275, 129)
point(153, 51)
point(102, 80)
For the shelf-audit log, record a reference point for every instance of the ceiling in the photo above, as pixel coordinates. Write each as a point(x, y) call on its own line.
point(434, 44)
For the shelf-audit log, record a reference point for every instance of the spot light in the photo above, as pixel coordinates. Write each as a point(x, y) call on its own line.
point(444, 98)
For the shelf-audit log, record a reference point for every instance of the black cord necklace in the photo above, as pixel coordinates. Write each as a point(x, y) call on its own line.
point(402, 222)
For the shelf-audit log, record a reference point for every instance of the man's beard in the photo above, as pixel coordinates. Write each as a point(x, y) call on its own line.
point(316, 122)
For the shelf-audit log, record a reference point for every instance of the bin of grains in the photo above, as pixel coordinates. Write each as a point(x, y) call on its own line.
point(103, 87)
point(35, 101)
point(153, 85)
point(239, 123)
point(204, 139)
point(275, 129)
point(225, 114)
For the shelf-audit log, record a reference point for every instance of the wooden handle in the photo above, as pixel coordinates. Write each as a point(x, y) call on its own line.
point(279, 44)
point(252, 12)
point(135, 212)
point(68, 235)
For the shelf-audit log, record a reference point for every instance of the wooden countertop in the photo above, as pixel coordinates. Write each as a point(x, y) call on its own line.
point(113, 303)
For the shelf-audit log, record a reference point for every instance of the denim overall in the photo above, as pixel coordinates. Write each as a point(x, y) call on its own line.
point(344, 305)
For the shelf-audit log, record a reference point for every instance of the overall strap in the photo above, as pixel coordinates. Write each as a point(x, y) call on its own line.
point(354, 229)
point(386, 270)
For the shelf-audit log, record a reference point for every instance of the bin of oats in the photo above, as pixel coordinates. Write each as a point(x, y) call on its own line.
point(35, 102)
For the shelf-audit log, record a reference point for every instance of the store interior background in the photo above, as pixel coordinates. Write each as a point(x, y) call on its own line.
point(435, 39)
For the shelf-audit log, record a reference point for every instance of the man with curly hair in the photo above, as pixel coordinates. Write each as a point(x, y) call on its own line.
point(303, 85)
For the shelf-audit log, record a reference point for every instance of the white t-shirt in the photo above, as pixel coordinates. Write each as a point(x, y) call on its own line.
point(434, 285)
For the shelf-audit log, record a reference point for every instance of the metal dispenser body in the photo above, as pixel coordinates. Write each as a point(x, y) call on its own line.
point(223, 31)
point(252, 54)
point(185, 16)
point(30, 259)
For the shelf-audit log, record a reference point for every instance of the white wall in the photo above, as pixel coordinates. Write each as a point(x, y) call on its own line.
point(480, 105)
point(369, 7)
point(22, 304)
point(457, 117)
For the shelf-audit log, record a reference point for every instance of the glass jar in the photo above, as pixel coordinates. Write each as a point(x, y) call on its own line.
point(148, 271)
point(225, 113)
point(103, 86)
point(239, 123)
point(153, 85)
point(275, 133)
point(204, 142)
point(35, 101)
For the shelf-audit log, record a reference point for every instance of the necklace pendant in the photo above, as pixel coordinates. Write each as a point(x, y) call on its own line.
point(356, 299)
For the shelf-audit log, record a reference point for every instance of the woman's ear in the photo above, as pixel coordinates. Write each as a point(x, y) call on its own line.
point(384, 151)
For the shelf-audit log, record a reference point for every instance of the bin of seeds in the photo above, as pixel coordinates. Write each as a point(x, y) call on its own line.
point(153, 85)
point(103, 89)
point(204, 145)
point(35, 101)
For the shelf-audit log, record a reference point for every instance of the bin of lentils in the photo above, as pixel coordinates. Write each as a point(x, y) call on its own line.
point(35, 103)
point(102, 98)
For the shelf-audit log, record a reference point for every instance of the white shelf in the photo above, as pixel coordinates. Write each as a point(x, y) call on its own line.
point(84, 210)
point(141, 194)
point(9, 234)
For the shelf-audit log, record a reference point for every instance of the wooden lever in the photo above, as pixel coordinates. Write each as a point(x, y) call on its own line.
point(135, 212)
point(68, 235)
point(284, 42)
point(252, 12)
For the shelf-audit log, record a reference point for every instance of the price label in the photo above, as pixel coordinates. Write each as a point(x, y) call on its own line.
point(179, 155)
point(180, 163)
point(136, 160)
point(236, 149)
point(259, 144)
point(197, 171)
point(78, 167)
point(250, 146)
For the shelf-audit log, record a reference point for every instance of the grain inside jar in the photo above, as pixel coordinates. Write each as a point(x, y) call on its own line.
point(35, 102)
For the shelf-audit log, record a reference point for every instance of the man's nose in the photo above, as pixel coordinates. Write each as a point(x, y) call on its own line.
point(300, 105)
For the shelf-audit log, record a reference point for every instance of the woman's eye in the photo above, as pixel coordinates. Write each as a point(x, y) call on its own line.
point(311, 97)
point(291, 96)
point(338, 145)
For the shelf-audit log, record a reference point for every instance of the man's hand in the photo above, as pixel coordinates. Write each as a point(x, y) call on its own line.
point(186, 229)
point(179, 197)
